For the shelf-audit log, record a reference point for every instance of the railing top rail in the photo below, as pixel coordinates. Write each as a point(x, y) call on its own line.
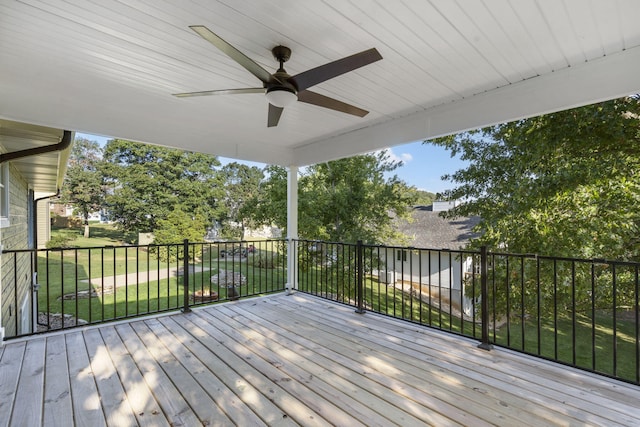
point(531, 256)
point(150, 245)
point(471, 252)
point(566, 259)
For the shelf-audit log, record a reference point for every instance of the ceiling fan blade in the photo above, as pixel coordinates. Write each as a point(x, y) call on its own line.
point(221, 92)
point(232, 52)
point(312, 77)
point(274, 115)
point(333, 104)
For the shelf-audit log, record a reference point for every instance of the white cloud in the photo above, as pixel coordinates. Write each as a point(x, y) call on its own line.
point(402, 157)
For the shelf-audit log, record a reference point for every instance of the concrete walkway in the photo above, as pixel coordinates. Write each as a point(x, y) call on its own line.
point(142, 277)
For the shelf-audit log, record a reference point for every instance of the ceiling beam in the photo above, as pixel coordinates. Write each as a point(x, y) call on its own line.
point(606, 78)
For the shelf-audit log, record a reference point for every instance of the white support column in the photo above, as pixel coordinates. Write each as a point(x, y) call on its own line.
point(292, 228)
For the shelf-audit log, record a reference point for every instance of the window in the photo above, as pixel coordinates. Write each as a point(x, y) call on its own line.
point(401, 255)
point(4, 195)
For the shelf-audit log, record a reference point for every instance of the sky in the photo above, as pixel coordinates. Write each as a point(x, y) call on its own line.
point(423, 165)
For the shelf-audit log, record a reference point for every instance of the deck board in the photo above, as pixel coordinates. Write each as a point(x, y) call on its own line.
point(542, 391)
point(541, 383)
point(57, 405)
point(143, 404)
point(174, 406)
point(398, 364)
point(292, 360)
point(30, 391)
point(87, 408)
point(10, 366)
point(303, 365)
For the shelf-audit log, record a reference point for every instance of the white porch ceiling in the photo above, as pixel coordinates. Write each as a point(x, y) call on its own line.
point(44, 173)
point(109, 67)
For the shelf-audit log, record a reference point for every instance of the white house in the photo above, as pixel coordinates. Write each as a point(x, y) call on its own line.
point(435, 264)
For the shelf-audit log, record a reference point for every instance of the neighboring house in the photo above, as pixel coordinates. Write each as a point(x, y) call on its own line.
point(33, 160)
point(440, 271)
point(60, 209)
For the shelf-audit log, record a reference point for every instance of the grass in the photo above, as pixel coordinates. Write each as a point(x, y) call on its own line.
point(67, 271)
point(591, 347)
point(99, 235)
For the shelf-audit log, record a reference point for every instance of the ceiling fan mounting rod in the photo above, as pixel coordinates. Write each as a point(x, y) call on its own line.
point(281, 54)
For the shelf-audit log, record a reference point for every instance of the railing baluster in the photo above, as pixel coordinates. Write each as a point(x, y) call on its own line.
point(522, 305)
point(89, 286)
point(126, 281)
point(185, 277)
point(555, 309)
point(359, 277)
point(538, 306)
point(48, 293)
point(573, 312)
point(614, 309)
point(484, 299)
point(593, 316)
point(637, 318)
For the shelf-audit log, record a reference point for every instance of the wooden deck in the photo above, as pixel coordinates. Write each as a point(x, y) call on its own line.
point(288, 360)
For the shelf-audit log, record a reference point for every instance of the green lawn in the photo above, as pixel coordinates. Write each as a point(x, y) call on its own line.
point(590, 347)
point(99, 235)
point(67, 271)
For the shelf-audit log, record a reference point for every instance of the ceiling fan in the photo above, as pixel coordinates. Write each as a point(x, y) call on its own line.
point(283, 89)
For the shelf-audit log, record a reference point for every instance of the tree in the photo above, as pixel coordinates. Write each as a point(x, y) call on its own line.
point(149, 182)
point(83, 184)
point(172, 231)
point(565, 184)
point(241, 186)
point(422, 197)
point(343, 200)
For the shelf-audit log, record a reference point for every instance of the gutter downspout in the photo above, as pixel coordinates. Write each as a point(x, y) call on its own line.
point(35, 286)
point(64, 143)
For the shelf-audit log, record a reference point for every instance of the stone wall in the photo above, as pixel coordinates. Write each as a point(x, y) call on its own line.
point(16, 267)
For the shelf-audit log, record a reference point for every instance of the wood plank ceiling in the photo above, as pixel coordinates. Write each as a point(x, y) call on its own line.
point(109, 67)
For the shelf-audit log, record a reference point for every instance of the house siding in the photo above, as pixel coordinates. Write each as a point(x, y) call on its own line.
point(43, 223)
point(16, 268)
point(439, 272)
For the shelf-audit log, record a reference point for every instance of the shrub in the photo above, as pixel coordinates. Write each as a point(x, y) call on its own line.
point(59, 241)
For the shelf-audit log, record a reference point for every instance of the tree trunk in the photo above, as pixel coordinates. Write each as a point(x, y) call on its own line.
point(86, 230)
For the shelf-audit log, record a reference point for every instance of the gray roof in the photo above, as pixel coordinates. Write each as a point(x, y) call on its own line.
point(430, 230)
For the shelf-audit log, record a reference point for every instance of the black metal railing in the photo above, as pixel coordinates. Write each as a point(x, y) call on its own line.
point(579, 312)
point(50, 289)
point(582, 313)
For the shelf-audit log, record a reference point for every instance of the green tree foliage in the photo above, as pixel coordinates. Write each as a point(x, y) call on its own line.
point(422, 197)
point(177, 226)
point(149, 182)
point(562, 184)
point(565, 184)
point(343, 200)
point(242, 184)
point(83, 184)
